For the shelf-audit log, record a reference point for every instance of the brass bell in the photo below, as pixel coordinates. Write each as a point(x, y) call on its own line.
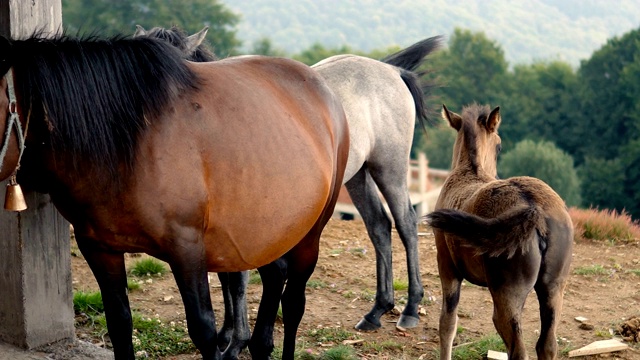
point(13, 197)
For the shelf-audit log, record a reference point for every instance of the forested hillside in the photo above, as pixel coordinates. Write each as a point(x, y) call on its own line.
point(568, 30)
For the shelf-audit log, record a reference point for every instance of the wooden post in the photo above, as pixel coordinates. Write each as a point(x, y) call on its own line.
point(35, 262)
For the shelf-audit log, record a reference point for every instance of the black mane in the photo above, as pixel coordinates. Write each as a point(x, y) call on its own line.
point(471, 116)
point(97, 94)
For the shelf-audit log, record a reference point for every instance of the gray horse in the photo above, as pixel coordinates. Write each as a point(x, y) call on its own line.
point(382, 100)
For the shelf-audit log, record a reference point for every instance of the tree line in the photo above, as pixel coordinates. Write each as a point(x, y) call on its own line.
point(577, 129)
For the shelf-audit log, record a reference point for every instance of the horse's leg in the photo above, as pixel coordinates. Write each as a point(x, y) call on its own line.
point(111, 275)
point(273, 276)
point(392, 182)
point(363, 193)
point(508, 302)
point(191, 275)
point(235, 289)
point(301, 262)
point(449, 312)
point(224, 334)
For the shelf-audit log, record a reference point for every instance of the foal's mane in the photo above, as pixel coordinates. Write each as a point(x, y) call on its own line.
point(472, 116)
point(98, 94)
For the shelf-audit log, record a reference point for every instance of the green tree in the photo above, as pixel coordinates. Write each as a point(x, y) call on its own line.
point(264, 46)
point(318, 52)
point(630, 159)
point(438, 146)
point(540, 104)
point(610, 97)
point(603, 183)
point(546, 162)
point(121, 17)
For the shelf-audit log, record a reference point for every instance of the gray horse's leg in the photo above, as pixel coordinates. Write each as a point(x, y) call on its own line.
point(365, 197)
point(393, 185)
point(236, 326)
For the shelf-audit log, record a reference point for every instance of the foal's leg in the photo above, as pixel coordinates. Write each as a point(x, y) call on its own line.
point(110, 273)
point(191, 275)
point(450, 298)
point(550, 299)
point(234, 286)
point(392, 182)
point(508, 302)
point(273, 276)
point(365, 197)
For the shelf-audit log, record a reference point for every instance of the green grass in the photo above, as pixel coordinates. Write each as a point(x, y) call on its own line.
point(400, 284)
point(360, 252)
point(378, 347)
point(133, 285)
point(254, 277)
point(479, 348)
point(316, 284)
point(340, 352)
point(89, 303)
point(148, 266)
point(333, 335)
point(634, 271)
point(591, 270)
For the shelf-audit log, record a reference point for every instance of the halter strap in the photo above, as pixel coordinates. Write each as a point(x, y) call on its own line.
point(12, 123)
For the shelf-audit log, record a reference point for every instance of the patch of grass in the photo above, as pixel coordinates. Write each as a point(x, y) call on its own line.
point(400, 284)
point(603, 333)
point(348, 294)
point(316, 284)
point(591, 270)
point(634, 271)
point(148, 266)
point(604, 225)
point(360, 252)
point(368, 295)
point(478, 349)
point(254, 277)
point(340, 352)
point(336, 251)
point(157, 339)
point(133, 285)
point(333, 335)
point(89, 303)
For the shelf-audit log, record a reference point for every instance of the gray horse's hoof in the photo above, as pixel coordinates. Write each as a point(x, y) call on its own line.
point(366, 325)
point(407, 322)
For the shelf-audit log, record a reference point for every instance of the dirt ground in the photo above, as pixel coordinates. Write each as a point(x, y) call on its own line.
point(344, 286)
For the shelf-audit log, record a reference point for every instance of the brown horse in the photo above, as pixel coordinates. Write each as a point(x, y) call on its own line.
point(511, 235)
point(221, 166)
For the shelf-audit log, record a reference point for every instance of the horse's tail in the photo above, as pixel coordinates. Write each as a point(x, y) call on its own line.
point(408, 60)
point(503, 235)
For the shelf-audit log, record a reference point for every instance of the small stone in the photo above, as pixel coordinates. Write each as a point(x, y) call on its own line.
point(167, 298)
point(586, 326)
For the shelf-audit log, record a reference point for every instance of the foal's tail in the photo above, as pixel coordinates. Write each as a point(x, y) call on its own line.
point(503, 235)
point(408, 60)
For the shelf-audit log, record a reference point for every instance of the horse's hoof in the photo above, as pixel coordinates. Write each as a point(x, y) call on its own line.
point(366, 325)
point(407, 321)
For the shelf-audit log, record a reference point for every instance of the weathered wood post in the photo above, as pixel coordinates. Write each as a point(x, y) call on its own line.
point(35, 265)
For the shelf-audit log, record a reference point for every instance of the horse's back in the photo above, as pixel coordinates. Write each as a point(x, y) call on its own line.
point(262, 143)
point(379, 108)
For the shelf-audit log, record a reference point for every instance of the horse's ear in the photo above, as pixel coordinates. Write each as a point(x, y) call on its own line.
point(494, 119)
point(195, 40)
point(455, 121)
point(140, 31)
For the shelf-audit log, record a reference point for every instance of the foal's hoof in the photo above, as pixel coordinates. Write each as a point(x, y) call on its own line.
point(407, 321)
point(366, 325)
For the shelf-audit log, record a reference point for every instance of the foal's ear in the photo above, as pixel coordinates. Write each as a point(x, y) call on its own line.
point(140, 31)
point(494, 119)
point(455, 121)
point(195, 40)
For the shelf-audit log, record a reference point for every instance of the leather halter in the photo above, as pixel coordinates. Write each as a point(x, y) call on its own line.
point(13, 122)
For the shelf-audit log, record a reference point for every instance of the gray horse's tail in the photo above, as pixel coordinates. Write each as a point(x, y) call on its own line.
point(502, 235)
point(408, 60)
